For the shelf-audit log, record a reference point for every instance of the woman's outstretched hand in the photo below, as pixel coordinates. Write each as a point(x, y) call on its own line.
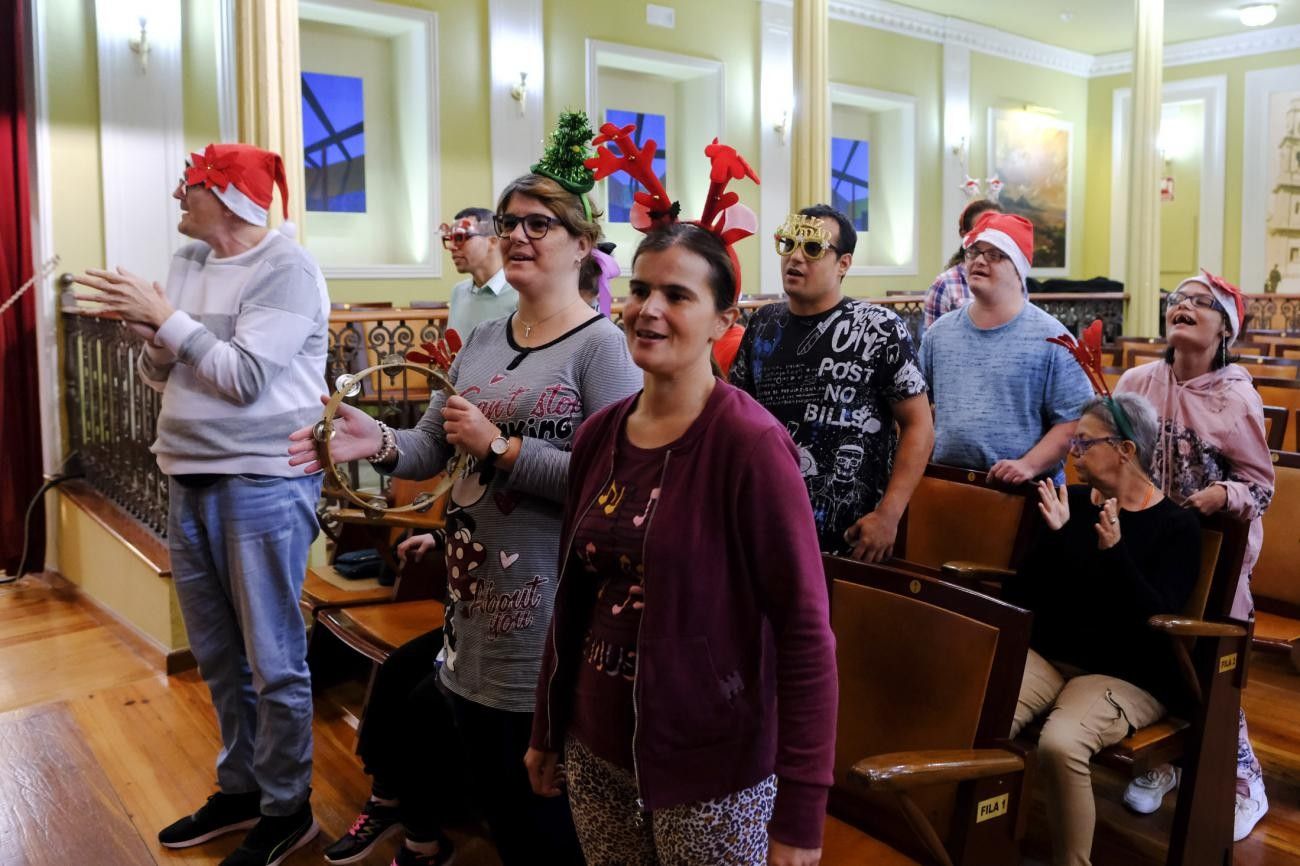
point(356, 436)
point(1054, 503)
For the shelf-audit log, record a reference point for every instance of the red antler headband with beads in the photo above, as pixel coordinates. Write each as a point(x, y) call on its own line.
point(723, 215)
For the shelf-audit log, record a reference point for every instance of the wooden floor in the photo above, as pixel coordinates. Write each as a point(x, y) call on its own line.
point(98, 751)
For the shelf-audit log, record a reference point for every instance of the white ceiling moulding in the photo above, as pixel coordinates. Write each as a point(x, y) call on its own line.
point(1207, 50)
point(918, 24)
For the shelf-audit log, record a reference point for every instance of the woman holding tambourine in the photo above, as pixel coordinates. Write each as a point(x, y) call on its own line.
point(524, 383)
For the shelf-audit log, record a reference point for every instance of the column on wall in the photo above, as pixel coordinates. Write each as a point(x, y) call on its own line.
point(270, 90)
point(1142, 280)
point(811, 175)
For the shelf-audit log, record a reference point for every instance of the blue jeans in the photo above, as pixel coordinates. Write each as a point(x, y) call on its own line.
point(239, 555)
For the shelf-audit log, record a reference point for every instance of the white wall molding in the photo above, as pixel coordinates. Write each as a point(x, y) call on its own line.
point(1212, 93)
point(1207, 50)
point(516, 36)
point(227, 72)
point(141, 133)
point(1258, 166)
point(918, 24)
point(777, 103)
point(42, 232)
point(955, 139)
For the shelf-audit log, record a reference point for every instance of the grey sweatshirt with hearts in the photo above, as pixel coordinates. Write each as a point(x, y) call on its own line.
point(503, 528)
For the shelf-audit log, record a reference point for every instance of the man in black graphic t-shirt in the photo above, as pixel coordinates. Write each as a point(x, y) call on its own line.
point(839, 373)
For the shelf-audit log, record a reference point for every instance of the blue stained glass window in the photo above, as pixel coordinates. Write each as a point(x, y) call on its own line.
point(334, 142)
point(620, 187)
point(849, 179)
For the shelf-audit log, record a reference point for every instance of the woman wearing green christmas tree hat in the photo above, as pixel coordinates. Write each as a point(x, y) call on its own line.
point(526, 382)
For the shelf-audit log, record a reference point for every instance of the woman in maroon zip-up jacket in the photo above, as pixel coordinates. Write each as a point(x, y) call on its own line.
point(690, 676)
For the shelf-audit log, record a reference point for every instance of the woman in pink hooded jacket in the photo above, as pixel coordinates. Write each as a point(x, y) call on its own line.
point(1212, 456)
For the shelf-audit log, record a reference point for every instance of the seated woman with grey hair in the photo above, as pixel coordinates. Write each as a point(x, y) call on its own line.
point(1109, 554)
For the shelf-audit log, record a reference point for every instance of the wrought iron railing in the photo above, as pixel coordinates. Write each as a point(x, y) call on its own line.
point(111, 412)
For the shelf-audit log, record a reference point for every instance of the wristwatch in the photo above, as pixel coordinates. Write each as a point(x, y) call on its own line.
point(496, 448)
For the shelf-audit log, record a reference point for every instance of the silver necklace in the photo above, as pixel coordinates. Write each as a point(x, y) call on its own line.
point(528, 327)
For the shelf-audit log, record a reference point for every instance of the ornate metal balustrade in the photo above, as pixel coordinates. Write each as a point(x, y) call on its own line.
point(111, 412)
point(111, 415)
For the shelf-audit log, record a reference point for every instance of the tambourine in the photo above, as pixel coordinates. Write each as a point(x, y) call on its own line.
point(349, 385)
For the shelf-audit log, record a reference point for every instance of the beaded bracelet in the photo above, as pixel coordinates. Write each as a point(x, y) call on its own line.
point(387, 445)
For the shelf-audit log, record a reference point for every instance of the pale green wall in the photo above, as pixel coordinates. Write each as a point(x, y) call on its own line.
point(998, 83)
point(875, 59)
point(1100, 94)
point(199, 23)
point(1180, 219)
point(725, 30)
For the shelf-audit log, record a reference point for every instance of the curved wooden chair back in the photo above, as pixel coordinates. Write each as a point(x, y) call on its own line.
point(955, 514)
point(1277, 573)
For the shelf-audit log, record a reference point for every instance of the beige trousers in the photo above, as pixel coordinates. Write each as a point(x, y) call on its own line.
point(1085, 714)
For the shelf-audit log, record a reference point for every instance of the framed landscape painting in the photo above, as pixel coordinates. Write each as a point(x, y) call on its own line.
point(1030, 153)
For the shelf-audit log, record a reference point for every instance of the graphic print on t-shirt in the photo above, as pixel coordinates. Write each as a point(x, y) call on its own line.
point(832, 379)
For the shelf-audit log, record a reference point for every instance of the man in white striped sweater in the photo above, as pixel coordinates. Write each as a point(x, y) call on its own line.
point(236, 344)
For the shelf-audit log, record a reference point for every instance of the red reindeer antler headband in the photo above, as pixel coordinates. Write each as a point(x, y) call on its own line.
point(723, 216)
point(1088, 353)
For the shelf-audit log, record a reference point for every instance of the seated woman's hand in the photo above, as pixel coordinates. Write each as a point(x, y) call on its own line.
point(467, 428)
point(415, 547)
point(1108, 525)
point(1054, 504)
point(356, 436)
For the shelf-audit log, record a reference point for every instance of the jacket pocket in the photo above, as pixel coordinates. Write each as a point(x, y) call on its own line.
point(685, 702)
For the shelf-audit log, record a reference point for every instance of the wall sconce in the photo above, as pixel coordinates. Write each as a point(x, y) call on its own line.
point(519, 93)
point(782, 127)
point(140, 45)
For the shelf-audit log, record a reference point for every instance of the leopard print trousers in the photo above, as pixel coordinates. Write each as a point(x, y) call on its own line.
point(727, 831)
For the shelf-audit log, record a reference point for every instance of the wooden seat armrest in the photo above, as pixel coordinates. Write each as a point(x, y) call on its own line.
point(1181, 626)
point(906, 771)
point(969, 571)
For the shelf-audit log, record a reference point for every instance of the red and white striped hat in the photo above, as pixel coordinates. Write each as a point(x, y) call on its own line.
point(244, 177)
point(1010, 233)
point(1228, 296)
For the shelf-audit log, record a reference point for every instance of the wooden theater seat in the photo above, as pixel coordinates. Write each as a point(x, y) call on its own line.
point(958, 515)
point(1284, 393)
point(1275, 582)
point(376, 630)
point(922, 764)
point(1275, 423)
point(352, 528)
point(1212, 652)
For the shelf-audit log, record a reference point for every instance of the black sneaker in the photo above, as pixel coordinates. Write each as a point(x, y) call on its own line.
point(223, 813)
point(274, 838)
point(375, 823)
point(442, 857)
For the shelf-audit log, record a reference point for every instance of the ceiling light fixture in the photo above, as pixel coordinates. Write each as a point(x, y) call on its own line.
point(1257, 14)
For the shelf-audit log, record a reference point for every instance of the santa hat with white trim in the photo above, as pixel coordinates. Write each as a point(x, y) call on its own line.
point(1228, 296)
point(243, 177)
point(1010, 233)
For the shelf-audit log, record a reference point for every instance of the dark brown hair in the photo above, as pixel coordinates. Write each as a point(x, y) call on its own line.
point(706, 245)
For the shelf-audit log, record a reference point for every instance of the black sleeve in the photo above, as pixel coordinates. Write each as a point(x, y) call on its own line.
point(741, 374)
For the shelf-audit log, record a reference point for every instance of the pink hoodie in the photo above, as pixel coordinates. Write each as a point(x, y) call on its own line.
point(1211, 432)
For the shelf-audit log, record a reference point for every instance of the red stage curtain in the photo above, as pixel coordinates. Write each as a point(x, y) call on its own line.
point(20, 419)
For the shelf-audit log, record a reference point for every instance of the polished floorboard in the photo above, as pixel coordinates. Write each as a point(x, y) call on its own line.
point(98, 751)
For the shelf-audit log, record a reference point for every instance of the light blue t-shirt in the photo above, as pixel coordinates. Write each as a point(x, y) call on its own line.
point(996, 392)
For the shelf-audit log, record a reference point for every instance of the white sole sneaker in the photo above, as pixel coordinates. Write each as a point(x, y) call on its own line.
point(212, 834)
point(1249, 811)
point(1144, 800)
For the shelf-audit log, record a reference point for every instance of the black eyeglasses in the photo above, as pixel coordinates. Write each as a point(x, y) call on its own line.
point(812, 249)
point(536, 225)
point(1205, 302)
point(1079, 445)
point(992, 255)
